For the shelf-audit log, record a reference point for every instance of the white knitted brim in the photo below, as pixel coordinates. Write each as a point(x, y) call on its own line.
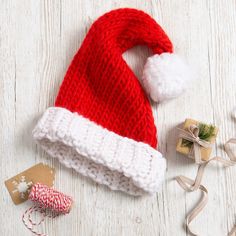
point(107, 158)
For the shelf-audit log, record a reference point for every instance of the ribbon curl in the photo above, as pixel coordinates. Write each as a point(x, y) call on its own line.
point(191, 134)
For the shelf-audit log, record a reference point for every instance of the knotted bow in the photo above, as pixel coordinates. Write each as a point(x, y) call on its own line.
point(191, 134)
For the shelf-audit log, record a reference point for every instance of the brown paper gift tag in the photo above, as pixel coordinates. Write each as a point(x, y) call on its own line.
point(19, 186)
point(205, 152)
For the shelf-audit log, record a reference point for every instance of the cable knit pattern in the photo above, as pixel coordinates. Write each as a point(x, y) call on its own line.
point(118, 162)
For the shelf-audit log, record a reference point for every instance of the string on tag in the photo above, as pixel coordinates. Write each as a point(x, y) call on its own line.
point(192, 185)
point(48, 202)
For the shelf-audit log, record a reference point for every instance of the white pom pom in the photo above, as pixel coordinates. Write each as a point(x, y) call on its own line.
point(165, 76)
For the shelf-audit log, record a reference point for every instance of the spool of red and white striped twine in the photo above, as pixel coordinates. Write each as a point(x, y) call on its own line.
point(48, 202)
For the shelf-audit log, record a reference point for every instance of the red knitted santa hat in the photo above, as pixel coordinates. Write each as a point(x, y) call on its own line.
point(102, 123)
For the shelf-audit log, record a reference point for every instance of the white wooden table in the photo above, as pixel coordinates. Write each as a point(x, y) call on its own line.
point(37, 42)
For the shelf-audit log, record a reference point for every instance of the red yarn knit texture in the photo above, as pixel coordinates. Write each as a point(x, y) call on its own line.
point(99, 84)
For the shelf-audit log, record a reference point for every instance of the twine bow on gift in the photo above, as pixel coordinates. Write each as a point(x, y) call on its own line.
point(191, 134)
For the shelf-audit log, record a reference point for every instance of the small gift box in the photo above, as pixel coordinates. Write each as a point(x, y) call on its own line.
point(196, 140)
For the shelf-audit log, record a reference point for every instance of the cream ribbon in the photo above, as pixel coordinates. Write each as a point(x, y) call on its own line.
point(191, 134)
point(192, 185)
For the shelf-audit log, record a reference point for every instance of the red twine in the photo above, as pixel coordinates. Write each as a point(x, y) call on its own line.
point(48, 202)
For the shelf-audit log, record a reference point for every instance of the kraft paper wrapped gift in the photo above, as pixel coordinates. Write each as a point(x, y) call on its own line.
point(186, 149)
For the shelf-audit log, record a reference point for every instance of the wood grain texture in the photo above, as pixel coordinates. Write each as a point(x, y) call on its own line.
point(37, 42)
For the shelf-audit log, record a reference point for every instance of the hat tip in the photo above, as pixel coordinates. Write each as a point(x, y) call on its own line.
point(166, 76)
